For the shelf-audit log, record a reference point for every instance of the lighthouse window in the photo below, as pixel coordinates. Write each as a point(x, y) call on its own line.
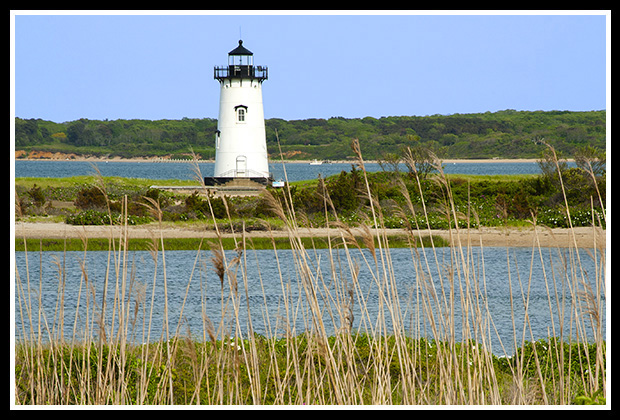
point(241, 111)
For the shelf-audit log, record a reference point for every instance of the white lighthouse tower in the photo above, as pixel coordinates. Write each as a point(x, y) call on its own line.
point(240, 143)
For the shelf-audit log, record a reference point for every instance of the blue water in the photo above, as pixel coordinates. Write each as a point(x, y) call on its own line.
point(269, 280)
point(266, 288)
point(185, 170)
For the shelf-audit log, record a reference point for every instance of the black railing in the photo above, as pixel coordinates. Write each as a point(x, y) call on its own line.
point(240, 72)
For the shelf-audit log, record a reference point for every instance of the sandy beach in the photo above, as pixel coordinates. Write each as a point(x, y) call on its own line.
point(585, 237)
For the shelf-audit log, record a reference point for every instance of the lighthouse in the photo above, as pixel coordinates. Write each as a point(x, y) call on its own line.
point(240, 143)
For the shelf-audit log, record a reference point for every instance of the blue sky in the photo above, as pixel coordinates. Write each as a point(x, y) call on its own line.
point(161, 66)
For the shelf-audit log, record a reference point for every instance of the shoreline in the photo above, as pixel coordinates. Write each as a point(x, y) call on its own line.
point(304, 161)
point(582, 237)
point(72, 157)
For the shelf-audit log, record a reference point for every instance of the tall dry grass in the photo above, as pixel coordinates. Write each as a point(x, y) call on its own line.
point(113, 356)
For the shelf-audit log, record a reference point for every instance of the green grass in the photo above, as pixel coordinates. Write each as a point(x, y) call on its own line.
point(188, 244)
point(64, 182)
point(198, 367)
point(71, 181)
point(494, 178)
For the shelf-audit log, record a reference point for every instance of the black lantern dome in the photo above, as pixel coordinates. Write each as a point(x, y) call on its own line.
point(241, 50)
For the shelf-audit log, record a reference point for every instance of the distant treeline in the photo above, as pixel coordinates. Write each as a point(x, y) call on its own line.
point(503, 134)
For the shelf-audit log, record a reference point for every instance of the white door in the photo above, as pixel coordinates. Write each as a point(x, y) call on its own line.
point(242, 165)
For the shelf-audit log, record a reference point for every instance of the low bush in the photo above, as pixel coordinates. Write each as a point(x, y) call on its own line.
point(90, 197)
point(96, 217)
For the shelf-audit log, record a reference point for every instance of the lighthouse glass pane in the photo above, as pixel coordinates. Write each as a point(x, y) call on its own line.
point(240, 60)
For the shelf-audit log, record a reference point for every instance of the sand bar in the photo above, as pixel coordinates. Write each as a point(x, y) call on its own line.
point(583, 237)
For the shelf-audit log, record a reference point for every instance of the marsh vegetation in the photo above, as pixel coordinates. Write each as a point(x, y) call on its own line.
point(441, 359)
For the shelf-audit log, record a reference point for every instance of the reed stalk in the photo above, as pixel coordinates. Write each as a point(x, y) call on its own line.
point(326, 344)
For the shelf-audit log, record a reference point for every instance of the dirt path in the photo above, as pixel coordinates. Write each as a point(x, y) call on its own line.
point(521, 237)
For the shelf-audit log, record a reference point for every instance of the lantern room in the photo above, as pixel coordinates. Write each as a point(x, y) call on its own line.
point(241, 66)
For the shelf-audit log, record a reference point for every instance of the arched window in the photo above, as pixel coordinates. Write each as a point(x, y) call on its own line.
point(241, 111)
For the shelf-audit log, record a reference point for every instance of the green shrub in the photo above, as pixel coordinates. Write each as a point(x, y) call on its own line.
point(558, 218)
point(37, 196)
point(194, 203)
point(97, 218)
point(90, 197)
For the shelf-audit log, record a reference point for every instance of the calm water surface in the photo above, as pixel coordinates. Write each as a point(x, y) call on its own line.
point(184, 170)
point(276, 301)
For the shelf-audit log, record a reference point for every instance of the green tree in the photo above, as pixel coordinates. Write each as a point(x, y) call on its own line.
point(75, 133)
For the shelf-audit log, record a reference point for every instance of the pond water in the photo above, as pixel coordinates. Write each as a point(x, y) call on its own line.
point(294, 171)
point(274, 294)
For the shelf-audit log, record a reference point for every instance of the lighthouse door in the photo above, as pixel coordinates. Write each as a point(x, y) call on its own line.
point(242, 165)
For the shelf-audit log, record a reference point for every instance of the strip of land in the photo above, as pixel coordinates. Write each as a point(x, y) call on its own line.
point(582, 237)
point(38, 156)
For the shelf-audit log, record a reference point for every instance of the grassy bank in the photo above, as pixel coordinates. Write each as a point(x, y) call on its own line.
point(292, 371)
point(190, 244)
point(111, 354)
point(402, 198)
